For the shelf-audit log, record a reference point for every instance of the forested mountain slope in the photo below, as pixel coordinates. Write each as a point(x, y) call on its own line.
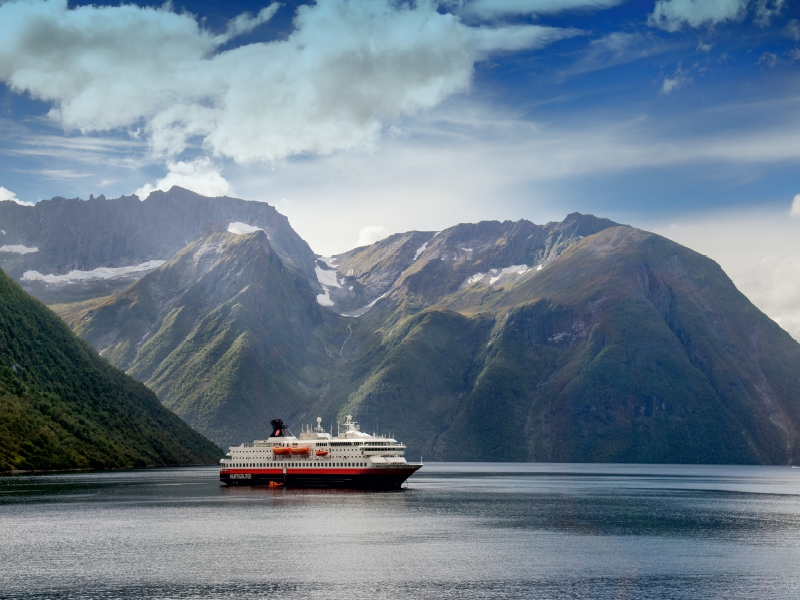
point(64, 407)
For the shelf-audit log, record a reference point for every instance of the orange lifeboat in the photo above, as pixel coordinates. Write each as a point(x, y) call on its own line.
point(281, 451)
point(322, 453)
point(300, 450)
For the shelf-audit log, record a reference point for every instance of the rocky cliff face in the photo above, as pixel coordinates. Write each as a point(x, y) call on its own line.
point(435, 264)
point(120, 235)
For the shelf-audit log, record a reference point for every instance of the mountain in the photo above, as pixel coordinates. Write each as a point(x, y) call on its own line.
point(63, 407)
point(224, 333)
point(367, 273)
point(582, 340)
point(61, 242)
point(626, 347)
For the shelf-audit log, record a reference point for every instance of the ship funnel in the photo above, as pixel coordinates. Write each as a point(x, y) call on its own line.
point(279, 429)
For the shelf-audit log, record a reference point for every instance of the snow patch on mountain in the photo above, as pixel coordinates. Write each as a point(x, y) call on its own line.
point(513, 270)
point(76, 276)
point(240, 228)
point(420, 250)
point(325, 299)
point(495, 275)
point(17, 248)
point(364, 309)
point(374, 302)
point(327, 279)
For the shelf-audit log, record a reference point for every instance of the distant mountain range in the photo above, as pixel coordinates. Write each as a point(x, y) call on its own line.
point(63, 240)
point(583, 340)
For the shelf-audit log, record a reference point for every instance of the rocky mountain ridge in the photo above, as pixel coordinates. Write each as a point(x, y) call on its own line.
point(582, 340)
point(123, 237)
point(492, 250)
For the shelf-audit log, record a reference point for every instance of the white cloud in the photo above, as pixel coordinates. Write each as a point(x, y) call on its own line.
point(793, 30)
point(672, 15)
point(614, 49)
point(517, 37)
point(766, 9)
point(795, 210)
point(769, 59)
point(348, 66)
point(8, 195)
point(774, 286)
point(504, 167)
point(371, 234)
point(199, 175)
point(245, 23)
point(701, 47)
point(760, 252)
point(678, 80)
point(495, 8)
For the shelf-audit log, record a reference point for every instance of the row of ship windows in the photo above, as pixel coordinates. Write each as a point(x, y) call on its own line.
point(365, 448)
point(324, 444)
point(245, 465)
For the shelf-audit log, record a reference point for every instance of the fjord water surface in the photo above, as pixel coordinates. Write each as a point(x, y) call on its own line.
point(458, 530)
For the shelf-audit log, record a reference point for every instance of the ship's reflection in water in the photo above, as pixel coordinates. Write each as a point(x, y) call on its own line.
point(456, 531)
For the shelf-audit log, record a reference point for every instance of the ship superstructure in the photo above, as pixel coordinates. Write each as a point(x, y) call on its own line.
point(353, 459)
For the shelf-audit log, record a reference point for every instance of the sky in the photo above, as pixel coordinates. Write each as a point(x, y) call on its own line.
point(362, 118)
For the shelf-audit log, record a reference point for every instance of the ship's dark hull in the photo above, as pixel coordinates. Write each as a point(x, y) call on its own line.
point(370, 479)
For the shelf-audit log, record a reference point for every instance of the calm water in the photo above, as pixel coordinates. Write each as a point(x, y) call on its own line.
point(457, 531)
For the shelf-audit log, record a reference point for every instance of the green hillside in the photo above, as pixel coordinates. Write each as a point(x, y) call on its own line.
point(64, 407)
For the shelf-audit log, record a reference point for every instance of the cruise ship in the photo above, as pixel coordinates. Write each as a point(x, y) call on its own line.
point(352, 459)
